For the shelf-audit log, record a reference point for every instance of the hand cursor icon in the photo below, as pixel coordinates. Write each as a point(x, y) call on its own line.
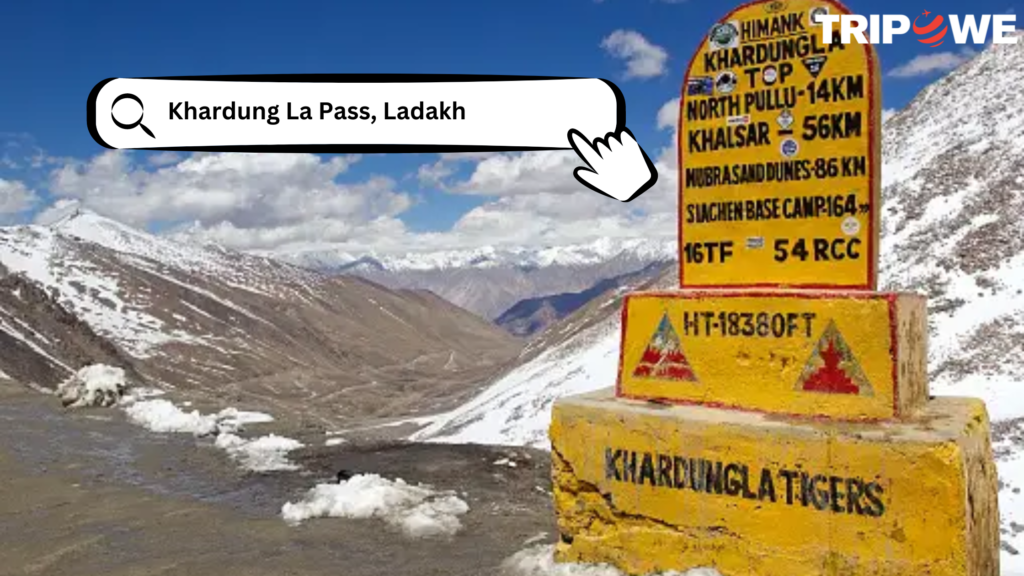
point(616, 165)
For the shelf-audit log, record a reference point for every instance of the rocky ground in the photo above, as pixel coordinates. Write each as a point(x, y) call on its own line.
point(84, 492)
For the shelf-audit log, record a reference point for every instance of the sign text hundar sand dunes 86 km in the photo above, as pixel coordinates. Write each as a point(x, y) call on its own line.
point(779, 154)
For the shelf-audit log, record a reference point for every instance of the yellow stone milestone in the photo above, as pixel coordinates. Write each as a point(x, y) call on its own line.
point(649, 487)
point(844, 355)
point(772, 417)
point(779, 152)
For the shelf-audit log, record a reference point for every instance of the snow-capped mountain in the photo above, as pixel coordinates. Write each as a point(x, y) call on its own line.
point(588, 254)
point(953, 228)
point(489, 280)
point(953, 222)
point(82, 257)
point(225, 323)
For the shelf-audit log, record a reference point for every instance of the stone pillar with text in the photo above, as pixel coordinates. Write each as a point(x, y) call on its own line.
point(772, 416)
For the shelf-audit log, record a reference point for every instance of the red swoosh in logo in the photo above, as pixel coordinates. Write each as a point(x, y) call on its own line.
point(922, 30)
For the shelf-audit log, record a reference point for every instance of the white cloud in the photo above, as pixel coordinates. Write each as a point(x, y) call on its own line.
point(466, 156)
point(643, 59)
point(528, 173)
point(924, 64)
point(278, 203)
point(434, 174)
point(540, 202)
point(296, 202)
point(534, 200)
point(247, 201)
point(21, 151)
point(163, 158)
point(15, 197)
point(668, 115)
point(41, 160)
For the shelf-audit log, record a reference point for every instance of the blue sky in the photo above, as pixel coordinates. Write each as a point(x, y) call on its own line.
point(57, 51)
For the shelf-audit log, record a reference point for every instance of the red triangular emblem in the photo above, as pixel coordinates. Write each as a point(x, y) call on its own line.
point(663, 359)
point(832, 367)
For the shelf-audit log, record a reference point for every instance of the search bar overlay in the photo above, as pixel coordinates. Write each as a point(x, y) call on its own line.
point(351, 113)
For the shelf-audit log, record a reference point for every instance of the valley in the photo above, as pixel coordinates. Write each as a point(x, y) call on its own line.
point(225, 327)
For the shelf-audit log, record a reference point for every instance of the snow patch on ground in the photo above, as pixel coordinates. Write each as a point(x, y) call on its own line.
point(540, 561)
point(262, 454)
point(163, 416)
point(419, 511)
point(334, 441)
point(94, 385)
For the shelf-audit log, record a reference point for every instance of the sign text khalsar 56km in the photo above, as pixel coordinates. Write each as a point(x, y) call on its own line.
point(779, 154)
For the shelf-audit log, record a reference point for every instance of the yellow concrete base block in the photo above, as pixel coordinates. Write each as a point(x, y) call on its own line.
point(648, 487)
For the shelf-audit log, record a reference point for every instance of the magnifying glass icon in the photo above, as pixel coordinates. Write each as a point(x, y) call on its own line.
point(130, 125)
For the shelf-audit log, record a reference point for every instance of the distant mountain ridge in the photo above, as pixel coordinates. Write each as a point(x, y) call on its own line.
point(488, 280)
point(533, 315)
point(526, 258)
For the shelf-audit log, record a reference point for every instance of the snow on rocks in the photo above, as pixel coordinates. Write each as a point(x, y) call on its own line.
point(540, 561)
point(105, 386)
point(418, 511)
point(94, 385)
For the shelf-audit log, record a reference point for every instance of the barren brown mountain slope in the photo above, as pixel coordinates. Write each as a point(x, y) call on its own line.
point(227, 327)
point(40, 341)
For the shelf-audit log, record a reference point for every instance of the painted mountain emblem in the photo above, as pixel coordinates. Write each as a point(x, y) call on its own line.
point(832, 367)
point(663, 359)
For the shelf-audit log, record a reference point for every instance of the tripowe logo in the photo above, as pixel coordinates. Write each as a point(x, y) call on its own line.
point(931, 29)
